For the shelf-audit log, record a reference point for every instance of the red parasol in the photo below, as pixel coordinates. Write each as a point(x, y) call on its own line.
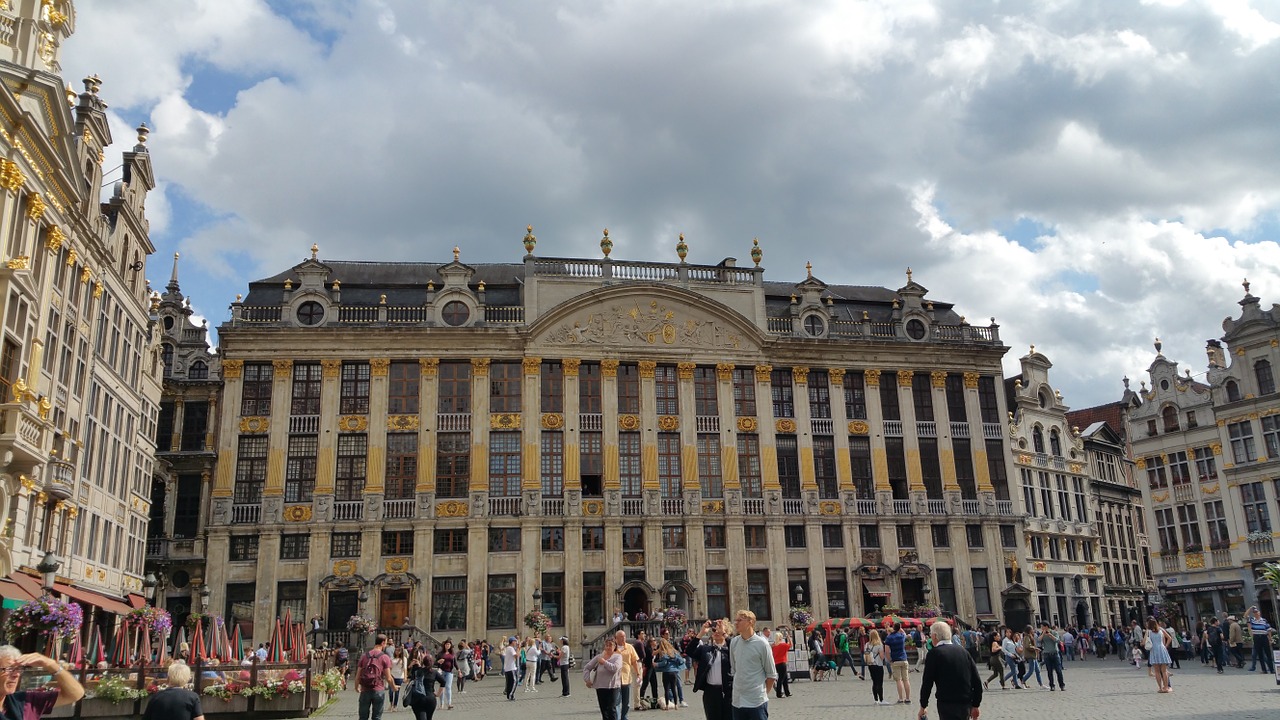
point(237, 644)
point(77, 652)
point(97, 652)
point(197, 642)
point(288, 627)
point(274, 649)
point(120, 648)
point(144, 646)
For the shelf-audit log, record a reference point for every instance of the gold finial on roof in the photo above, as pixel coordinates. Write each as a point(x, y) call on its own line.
point(756, 252)
point(456, 252)
point(793, 298)
point(480, 287)
point(606, 245)
point(529, 240)
point(431, 286)
point(288, 284)
point(239, 297)
point(382, 299)
point(337, 285)
point(315, 250)
point(682, 249)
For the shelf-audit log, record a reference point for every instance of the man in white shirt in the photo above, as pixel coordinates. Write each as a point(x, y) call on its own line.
point(510, 666)
point(753, 670)
point(563, 660)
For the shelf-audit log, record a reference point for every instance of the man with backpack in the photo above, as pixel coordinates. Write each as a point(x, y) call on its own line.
point(373, 677)
point(1213, 638)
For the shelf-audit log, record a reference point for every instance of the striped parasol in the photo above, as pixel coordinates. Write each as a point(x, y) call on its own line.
point(237, 643)
point(274, 649)
point(163, 650)
point(299, 641)
point(97, 652)
point(197, 642)
point(288, 626)
point(77, 652)
point(179, 638)
point(120, 647)
point(144, 646)
point(228, 652)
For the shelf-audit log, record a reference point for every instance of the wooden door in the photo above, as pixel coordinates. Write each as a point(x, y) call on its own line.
point(342, 605)
point(393, 608)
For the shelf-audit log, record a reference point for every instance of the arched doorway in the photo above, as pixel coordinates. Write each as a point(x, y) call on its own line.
point(636, 600)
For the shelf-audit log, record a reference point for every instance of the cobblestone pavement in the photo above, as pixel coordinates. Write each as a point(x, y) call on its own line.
point(1095, 689)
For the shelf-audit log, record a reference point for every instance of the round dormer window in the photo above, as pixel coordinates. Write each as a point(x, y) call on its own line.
point(168, 322)
point(455, 313)
point(916, 329)
point(310, 313)
point(814, 326)
point(1164, 384)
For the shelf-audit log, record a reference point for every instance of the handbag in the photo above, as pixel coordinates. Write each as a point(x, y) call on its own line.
point(415, 693)
point(1147, 643)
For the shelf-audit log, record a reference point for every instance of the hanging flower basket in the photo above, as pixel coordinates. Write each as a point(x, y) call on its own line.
point(45, 616)
point(801, 615)
point(157, 621)
point(676, 619)
point(203, 618)
point(537, 621)
point(360, 624)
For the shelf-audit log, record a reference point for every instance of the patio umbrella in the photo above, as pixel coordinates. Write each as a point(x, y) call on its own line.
point(179, 638)
point(300, 642)
point(77, 652)
point(274, 649)
point(228, 652)
point(120, 648)
point(97, 652)
point(144, 646)
point(197, 642)
point(288, 626)
point(237, 644)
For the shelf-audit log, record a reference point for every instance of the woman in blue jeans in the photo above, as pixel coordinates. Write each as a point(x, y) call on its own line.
point(1031, 654)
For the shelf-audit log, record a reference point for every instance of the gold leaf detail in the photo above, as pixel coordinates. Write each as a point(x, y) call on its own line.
point(297, 513)
point(872, 378)
point(593, 508)
point(353, 423)
point(254, 424)
point(344, 568)
point(859, 427)
point(451, 508)
point(504, 421)
point(428, 367)
point(402, 422)
point(628, 422)
point(378, 367)
point(747, 424)
point(763, 373)
point(669, 423)
point(785, 425)
point(552, 421)
point(646, 368)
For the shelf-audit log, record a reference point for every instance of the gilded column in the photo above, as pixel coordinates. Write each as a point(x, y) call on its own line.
point(479, 427)
point(804, 428)
point(428, 403)
point(648, 425)
point(212, 422)
point(875, 419)
point(768, 443)
point(572, 456)
point(277, 445)
point(376, 467)
point(942, 414)
point(232, 390)
point(840, 429)
point(688, 427)
point(728, 427)
point(910, 435)
point(609, 420)
point(973, 413)
point(330, 395)
point(530, 406)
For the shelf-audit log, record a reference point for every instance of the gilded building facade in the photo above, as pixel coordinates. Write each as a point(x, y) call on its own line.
point(1063, 554)
point(438, 442)
point(78, 367)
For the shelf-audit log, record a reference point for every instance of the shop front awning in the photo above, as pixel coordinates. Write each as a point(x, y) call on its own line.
point(110, 604)
point(1181, 590)
point(13, 594)
point(876, 587)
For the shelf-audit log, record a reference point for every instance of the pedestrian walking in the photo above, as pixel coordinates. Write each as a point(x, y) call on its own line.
point(954, 673)
point(1050, 656)
point(603, 673)
point(713, 672)
point(1261, 631)
point(897, 643)
point(875, 660)
point(373, 677)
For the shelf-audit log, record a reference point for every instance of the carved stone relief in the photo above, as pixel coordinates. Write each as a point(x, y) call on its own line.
point(636, 323)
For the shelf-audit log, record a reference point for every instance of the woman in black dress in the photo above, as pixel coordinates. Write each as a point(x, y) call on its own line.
point(433, 681)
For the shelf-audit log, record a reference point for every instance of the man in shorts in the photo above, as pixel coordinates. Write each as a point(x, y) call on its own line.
point(897, 642)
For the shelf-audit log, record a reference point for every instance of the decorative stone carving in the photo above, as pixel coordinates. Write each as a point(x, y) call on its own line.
point(552, 421)
point(378, 367)
point(54, 238)
point(633, 559)
point(297, 513)
point(570, 366)
point(480, 367)
point(724, 371)
point(859, 427)
point(255, 424)
point(403, 422)
point(785, 425)
point(628, 422)
point(647, 368)
point(764, 373)
point(608, 368)
point(593, 508)
point(330, 369)
point(353, 423)
point(828, 507)
point(668, 423)
point(428, 367)
point(653, 324)
point(531, 365)
point(712, 507)
point(344, 568)
point(396, 566)
point(451, 508)
point(872, 377)
point(1141, 463)
point(685, 370)
point(837, 376)
point(504, 421)
point(747, 424)
point(800, 375)
point(938, 378)
point(283, 369)
point(904, 378)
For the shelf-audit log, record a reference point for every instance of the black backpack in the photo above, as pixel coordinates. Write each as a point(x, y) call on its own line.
point(1215, 635)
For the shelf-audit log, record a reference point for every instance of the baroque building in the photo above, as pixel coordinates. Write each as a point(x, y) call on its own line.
point(78, 363)
point(455, 444)
point(186, 451)
point(1052, 471)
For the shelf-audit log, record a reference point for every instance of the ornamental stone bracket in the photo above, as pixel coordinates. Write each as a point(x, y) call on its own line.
point(373, 506)
point(324, 508)
point(272, 509)
point(426, 505)
point(221, 510)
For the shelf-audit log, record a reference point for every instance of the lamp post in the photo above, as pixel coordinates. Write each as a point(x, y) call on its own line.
point(48, 568)
point(671, 596)
point(149, 584)
point(537, 599)
point(204, 598)
point(799, 593)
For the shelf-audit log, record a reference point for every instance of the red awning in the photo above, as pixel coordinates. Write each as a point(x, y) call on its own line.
point(109, 604)
point(28, 584)
point(136, 601)
point(876, 587)
point(12, 591)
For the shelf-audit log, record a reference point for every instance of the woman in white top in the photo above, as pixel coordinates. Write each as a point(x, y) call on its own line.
point(530, 664)
point(398, 663)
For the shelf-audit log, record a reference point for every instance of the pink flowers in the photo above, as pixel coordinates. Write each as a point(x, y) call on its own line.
point(45, 616)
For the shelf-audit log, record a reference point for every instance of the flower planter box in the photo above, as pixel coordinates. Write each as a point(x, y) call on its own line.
point(216, 706)
point(99, 707)
point(290, 703)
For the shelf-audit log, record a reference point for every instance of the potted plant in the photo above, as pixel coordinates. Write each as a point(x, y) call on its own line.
point(537, 621)
point(1194, 547)
point(153, 619)
point(1257, 536)
point(46, 617)
point(1220, 545)
point(800, 616)
point(676, 619)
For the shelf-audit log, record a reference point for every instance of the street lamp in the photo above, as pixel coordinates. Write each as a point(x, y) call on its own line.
point(799, 591)
point(204, 598)
point(149, 584)
point(537, 599)
point(671, 596)
point(48, 567)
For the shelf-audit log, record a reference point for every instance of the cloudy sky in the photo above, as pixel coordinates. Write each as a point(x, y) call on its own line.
point(1091, 174)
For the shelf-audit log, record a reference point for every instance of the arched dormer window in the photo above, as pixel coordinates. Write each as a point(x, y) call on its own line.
point(1233, 391)
point(166, 355)
point(199, 370)
point(1055, 443)
point(1266, 381)
point(1170, 415)
point(1037, 439)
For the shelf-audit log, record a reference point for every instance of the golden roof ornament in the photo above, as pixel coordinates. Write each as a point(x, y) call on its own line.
point(682, 249)
point(315, 250)
point(431, 286)
point(793, 298)
point(606, 245)
point(529, 240)
point(239, 297)
point(756, 253)
point(480, 287)
point(456, 253)
point(288, 284)
point(382, 299)
point(337, 285)
point(143, 131)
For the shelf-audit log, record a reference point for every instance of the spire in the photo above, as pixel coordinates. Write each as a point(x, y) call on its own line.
point(172, 292)
point(173, 278)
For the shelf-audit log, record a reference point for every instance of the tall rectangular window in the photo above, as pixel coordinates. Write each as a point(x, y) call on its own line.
point(1156, 476)
point(930, 467)
point(592, 598)
point(449, 604)
point(300, 468)
point(718, 593)
point(1241, 434)
point(296, 546)
point(591, 463)
point(955, 399)
point(552, 462)
point(553, 597)
point(824, 466)
point(794, 536)
point(589, 388)
point(749, 472)
point(962, 452)
point(947, 589)
point(788, 465)
point(402, 465)
point(251, 469)
point(351, 470)
point(889, 409)
point(195, 425)
point(705, 402)
point(981, 591)
point(354, 396)
point(344, 545)
point(1166, 529)
point(666, 389)
point(633, 538)
point(710, 478)
point(996, 469)
point(669, 477)
point(402, 388)
point(628, 389)
point(860, 464)
point(449, 541)
point(744, 392)
point(1254, 504)
point(306, 389)
point(552, 539)
point(629, 463)
point(186, 511)
point(255, 391)
point(973, 533)
point(922, 397)
point(1081, 501)
point(837, 593)
point(819, 394)
point(988, 405)
point(784, 405)
point(758, 593)
point(593, 537)
point(713, 537)
point(1179, 468)
point(832, 536)
point(906, 536)
point(855, 396)
point(755, 537)
point(1271, 435)
point(454, 387)
point(453, 464)
point(896, 462)
point(504, 464)
point(869, 536)
point(1216, 519)
point(941, 536)
point(504, 387)
point(1189, 524)
point(552, 387)
point(164, 427)
point(291, 598)
point(397, 542)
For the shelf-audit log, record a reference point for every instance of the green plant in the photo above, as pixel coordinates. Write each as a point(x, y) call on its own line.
point(328, 682)
point(114, 689)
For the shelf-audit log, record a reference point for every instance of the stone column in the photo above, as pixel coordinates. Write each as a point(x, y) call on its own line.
point(648, 426)
point(728, 428)
point(428, 403)
point(278, 444)
point(875, 421)
point(376, 464)
point(942, 416)
point(479, 432)
point(424, 568)
point(609, 420)
point(840, 431)
point(910, 437)
point(264, 610)
point(572, 450)
point(319, 565)
point(330, 396)
point(768, 442)
point(531, 433)
point(228, 438)
point(573, 576)
point(179, 413)
point(688, 430)
point(804, 429)
point(735, 541)
point(973, 412)
point(212, 422)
